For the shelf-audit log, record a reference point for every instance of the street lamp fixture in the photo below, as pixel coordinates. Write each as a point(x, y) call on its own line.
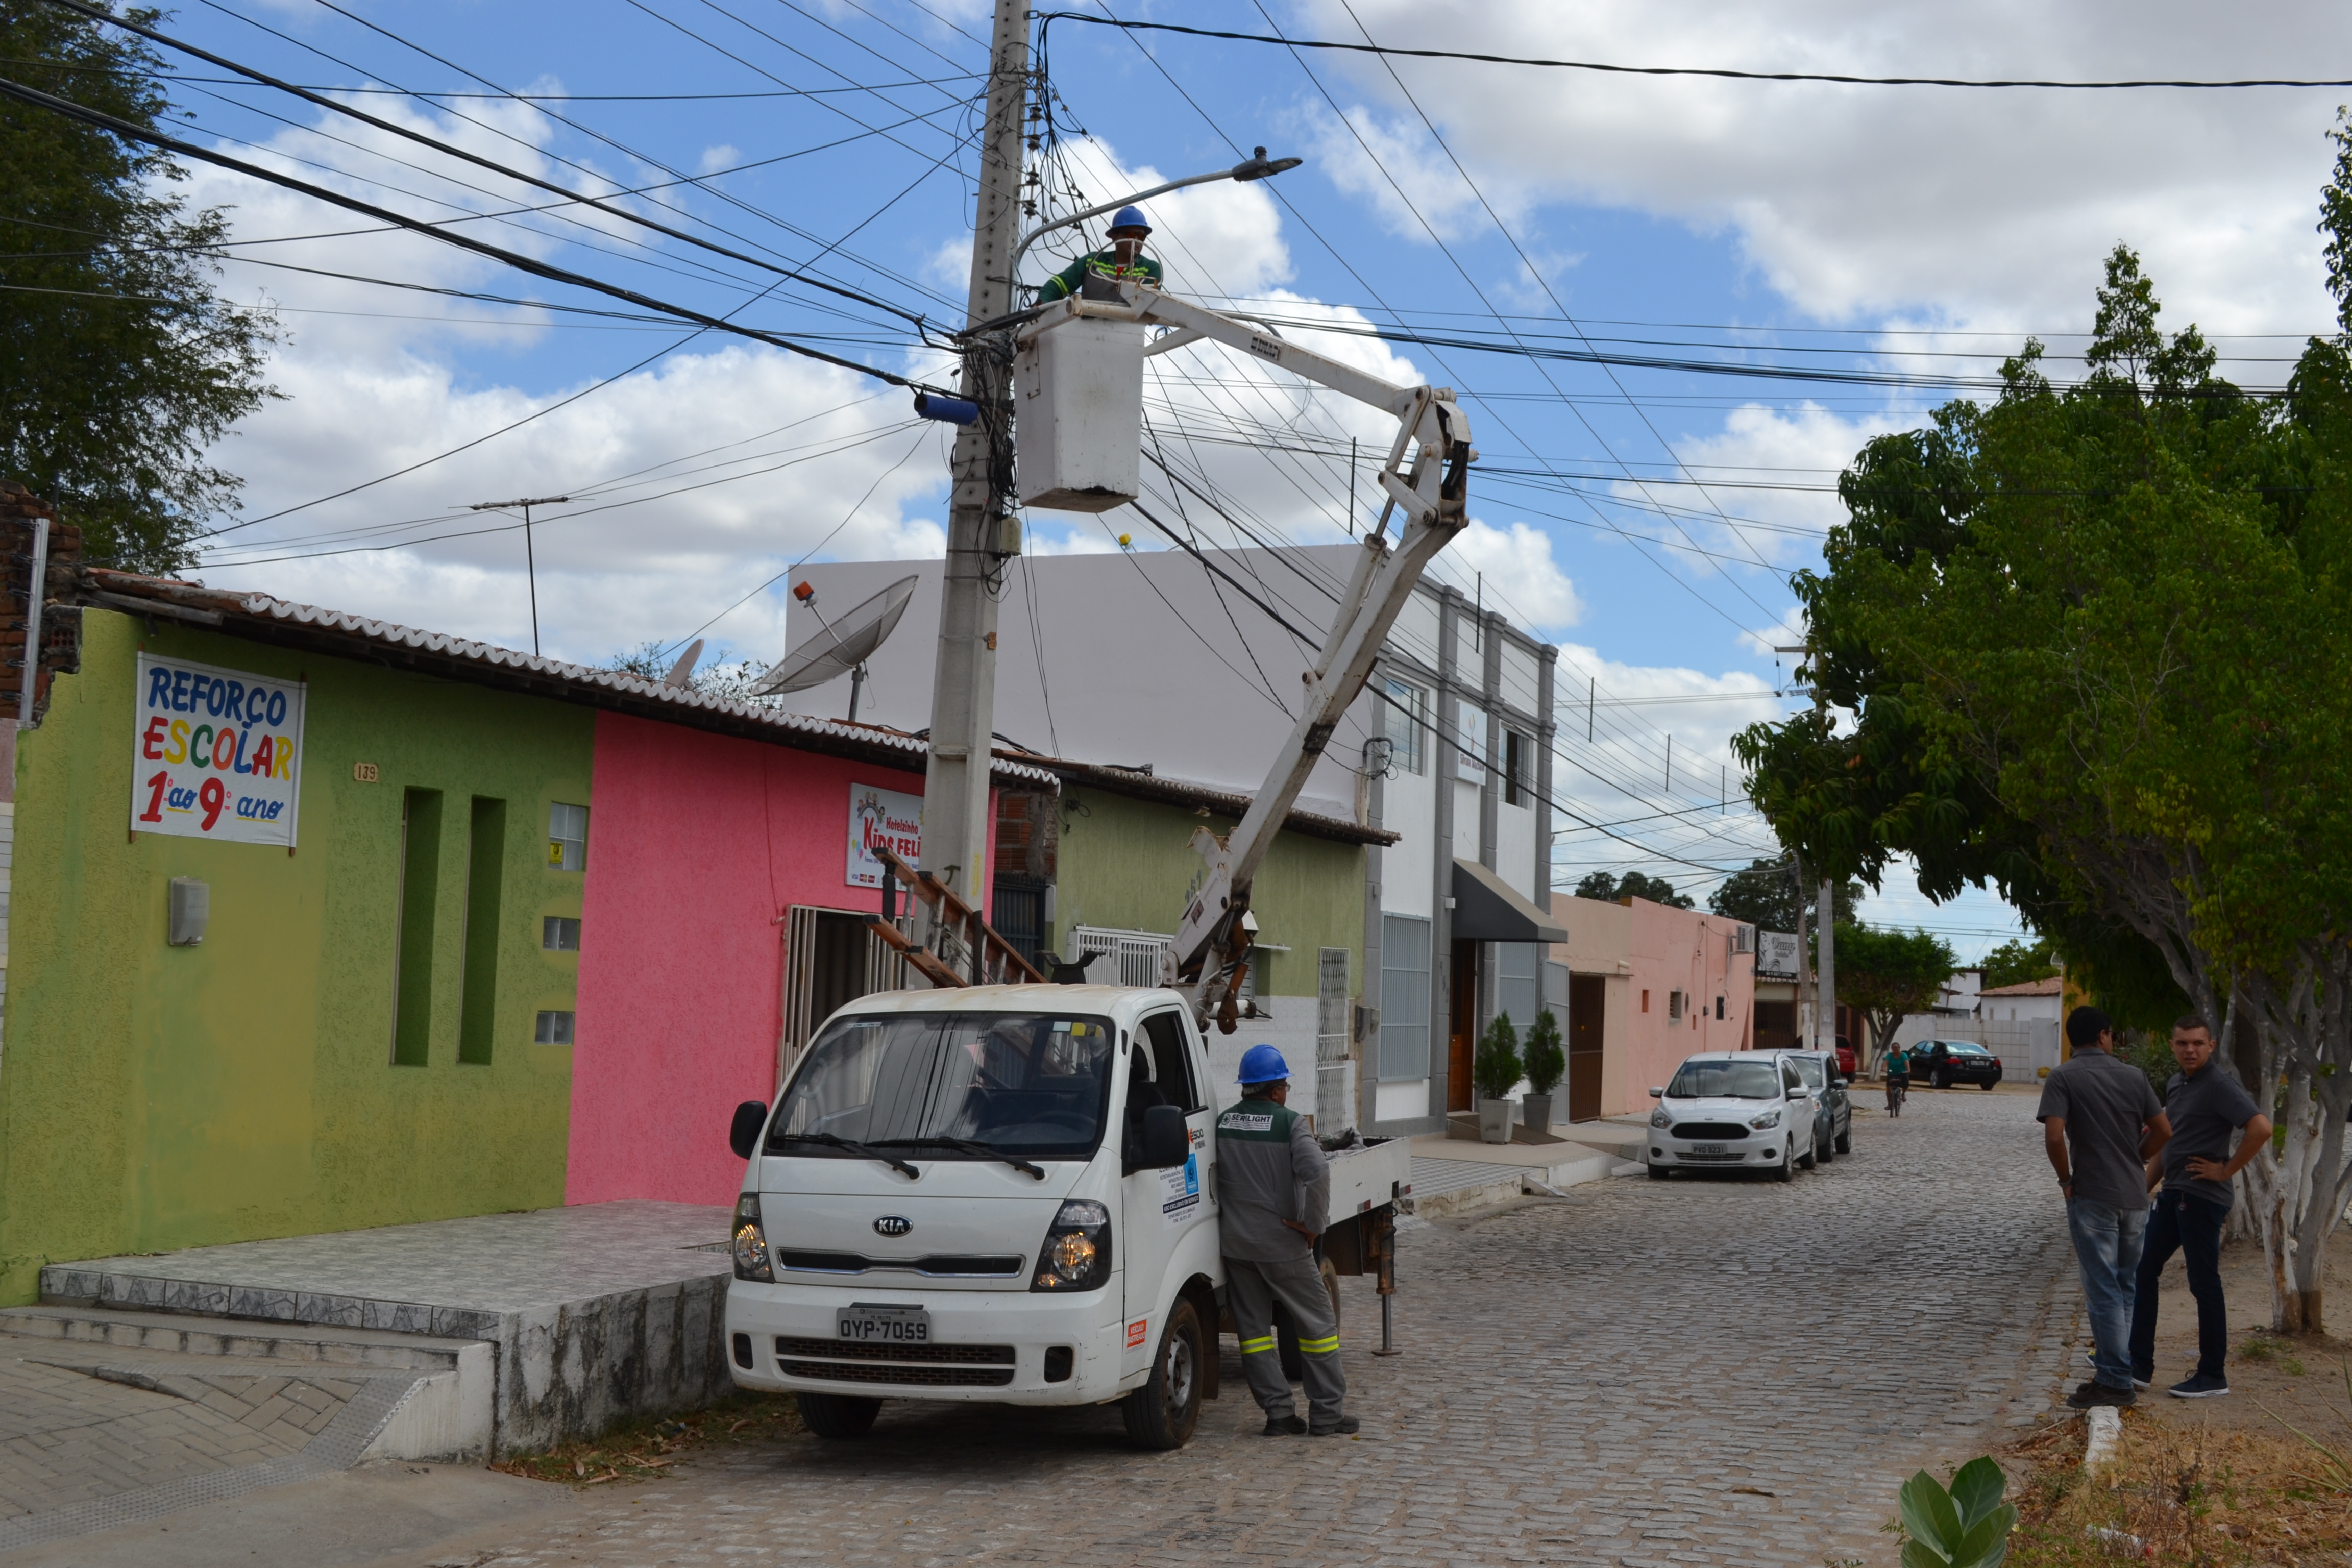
point(1257, 166)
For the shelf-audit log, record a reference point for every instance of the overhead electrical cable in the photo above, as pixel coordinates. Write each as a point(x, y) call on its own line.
point(377, 122)
point(1047, 18)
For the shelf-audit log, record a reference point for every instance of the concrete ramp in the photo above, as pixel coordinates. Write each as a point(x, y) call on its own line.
point(583, 1315)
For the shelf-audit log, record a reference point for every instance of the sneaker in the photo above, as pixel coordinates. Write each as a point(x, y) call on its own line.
point(2092, 1394)
point(1284, 1426)
point(1345, 1426)
point(2204, 1386)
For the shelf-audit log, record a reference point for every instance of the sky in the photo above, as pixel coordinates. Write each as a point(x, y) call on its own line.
point(1740, 239)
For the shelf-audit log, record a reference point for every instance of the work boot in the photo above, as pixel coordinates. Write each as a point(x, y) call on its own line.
point(1345, 1426)
point(1281, 1425)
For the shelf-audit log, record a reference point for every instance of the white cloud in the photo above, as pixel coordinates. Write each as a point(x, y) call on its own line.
point(1996, 207)
point(1775, 469)
point(1517, 563)
point(721, 156)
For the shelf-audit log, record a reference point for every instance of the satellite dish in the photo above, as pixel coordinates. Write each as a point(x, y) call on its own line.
point(682, 672)
point(844, 644)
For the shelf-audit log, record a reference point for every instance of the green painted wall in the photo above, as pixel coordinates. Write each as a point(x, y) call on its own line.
point(1128, 864)
point(153, 1097)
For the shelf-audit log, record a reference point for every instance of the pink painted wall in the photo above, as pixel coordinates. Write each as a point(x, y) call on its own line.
point(1649, 951)
point(697, 845)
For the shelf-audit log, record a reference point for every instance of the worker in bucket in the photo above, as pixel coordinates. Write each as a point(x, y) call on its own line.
point(1273, 1197)
point(1122, 258)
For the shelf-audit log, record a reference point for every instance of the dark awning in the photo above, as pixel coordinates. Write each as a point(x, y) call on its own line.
point(1489, 908)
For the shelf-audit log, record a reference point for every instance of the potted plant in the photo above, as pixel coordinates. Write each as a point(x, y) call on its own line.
point(1494, 1069)
point(1545, 1063)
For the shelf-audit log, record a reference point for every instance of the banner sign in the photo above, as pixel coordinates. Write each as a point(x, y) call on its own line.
point(216, 754)
point(886, 818)
point(1776, 954)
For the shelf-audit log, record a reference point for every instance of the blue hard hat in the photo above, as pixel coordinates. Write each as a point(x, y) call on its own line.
point(1130, 217)
point(1264, 1063)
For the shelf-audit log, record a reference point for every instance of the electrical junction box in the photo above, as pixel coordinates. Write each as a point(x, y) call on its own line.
point(190, 912)
point(1077, 408)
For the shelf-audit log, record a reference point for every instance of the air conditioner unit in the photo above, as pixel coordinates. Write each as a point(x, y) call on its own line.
point(1743, 939)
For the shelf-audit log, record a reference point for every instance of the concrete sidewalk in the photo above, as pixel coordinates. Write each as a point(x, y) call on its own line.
point(1454, 1176)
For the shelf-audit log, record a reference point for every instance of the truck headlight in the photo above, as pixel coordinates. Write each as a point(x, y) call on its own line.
point(1769, 1118)
point(750, 1242)
point(1659, 1118)
point(1076, 1255)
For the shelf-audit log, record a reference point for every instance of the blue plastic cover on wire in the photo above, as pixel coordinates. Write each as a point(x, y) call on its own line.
point(1262, 1064)
point(954, 410)
point(1130, 217)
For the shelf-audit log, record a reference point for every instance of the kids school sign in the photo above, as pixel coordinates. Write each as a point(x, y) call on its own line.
point(216, 754)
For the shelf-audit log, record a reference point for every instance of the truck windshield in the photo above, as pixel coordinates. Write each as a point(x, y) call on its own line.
point(1725, 1081)
point(1017, 1083)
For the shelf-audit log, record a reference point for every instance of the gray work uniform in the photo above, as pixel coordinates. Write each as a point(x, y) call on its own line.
point(1270, 1168)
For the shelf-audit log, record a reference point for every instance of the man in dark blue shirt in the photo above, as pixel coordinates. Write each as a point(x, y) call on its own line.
point(2205, 1106)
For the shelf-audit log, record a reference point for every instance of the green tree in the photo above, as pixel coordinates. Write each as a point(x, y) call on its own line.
point(120, 367)
point(1543, 1059)
point(1608, 889)
point(1495, 1067)
point(1767, 897)
point(1886, 974)
point(2015, 963)
point(2098, 643)
point(730, 681)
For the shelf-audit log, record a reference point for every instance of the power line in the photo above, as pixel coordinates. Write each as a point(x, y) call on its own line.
point(1047, 18)
point(125, 128)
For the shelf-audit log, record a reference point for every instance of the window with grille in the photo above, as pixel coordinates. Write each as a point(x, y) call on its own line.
point(1518, 984)
point(1404, 997)
point(567, 838)
point(1405, 716)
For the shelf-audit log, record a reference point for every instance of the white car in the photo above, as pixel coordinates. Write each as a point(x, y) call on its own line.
point(1732, 1110)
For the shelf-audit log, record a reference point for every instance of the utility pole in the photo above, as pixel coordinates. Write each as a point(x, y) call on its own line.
point(1824, 911)
point(981, 528)
point(530, 562)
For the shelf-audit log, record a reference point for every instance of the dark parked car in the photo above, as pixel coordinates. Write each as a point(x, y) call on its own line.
point(1944, 1063)
point(1832, 1113)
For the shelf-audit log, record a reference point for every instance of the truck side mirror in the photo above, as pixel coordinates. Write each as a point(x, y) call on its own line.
point(743, 1136)
point(1165, 1141)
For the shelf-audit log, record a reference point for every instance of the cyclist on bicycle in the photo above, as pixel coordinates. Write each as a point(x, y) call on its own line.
point(1898, 1078)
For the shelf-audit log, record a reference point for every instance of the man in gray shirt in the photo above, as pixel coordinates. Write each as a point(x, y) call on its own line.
point(2101, 1123)
point(2206, 1106)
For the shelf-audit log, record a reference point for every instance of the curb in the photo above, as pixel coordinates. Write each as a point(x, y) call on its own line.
point(2103, 1436)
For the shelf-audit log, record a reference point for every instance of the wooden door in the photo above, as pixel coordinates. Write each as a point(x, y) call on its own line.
point(1461, 1027)
point(1588, 998)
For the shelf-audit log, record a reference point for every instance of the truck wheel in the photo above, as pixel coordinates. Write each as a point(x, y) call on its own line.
point(839, 1416)
point(1163, 1412)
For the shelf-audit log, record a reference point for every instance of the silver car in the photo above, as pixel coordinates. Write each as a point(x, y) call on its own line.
point(1733, 1110)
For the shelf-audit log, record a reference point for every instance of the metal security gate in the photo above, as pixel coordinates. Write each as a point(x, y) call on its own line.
point(831, 957)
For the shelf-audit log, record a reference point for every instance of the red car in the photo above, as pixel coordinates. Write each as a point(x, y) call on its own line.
point(1845, 1059)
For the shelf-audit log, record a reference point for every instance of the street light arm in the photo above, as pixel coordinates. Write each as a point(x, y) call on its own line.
point(1256, 167)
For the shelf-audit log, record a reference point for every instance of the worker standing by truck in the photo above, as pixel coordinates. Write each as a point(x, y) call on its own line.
point(1274, 1194)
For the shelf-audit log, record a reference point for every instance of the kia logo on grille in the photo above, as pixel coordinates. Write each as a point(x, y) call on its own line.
point(893, 1224)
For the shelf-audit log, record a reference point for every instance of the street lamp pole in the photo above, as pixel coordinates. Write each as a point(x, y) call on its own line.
point(530, 560)
point(1256, 167)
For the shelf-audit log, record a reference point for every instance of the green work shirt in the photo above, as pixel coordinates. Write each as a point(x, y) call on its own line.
point(1066, 282)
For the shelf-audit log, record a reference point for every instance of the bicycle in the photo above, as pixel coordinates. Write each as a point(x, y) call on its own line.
point(1897, 1087)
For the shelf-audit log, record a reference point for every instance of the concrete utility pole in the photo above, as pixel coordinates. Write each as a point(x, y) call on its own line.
point(982, 529)
point(1824, 917)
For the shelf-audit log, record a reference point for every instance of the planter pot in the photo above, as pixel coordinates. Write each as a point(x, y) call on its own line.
point(1535, 1112)
point(1493, 1120)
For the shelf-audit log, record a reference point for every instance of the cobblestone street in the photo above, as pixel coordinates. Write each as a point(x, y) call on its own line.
point(1695, 1370)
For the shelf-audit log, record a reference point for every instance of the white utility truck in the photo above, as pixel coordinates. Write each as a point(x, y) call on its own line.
point(1006, 1192)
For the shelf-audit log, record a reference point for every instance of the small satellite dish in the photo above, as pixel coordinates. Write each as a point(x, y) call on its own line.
point(842, 646)
point(682, 672)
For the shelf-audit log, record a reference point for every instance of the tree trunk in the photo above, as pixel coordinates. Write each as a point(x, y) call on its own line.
point(2307, 1037)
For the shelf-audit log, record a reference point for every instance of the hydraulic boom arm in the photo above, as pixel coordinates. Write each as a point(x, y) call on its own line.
point(1210, 949)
